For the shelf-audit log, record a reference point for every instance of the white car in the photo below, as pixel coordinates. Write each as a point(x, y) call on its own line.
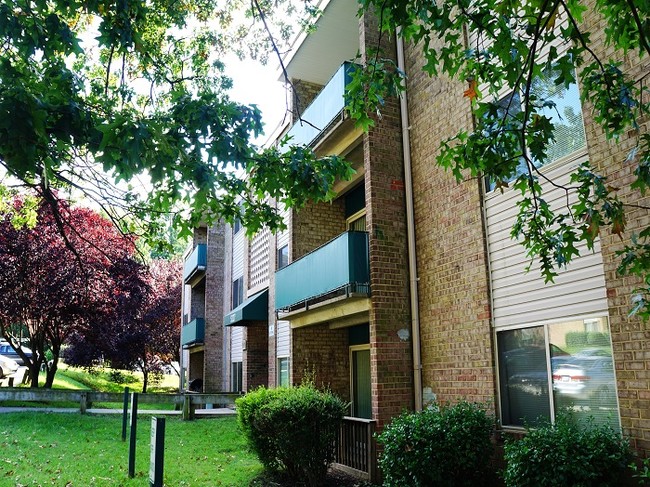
point(7, 366)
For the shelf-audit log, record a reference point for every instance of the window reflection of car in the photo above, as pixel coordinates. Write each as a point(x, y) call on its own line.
point(525, 369)
point(586, 377)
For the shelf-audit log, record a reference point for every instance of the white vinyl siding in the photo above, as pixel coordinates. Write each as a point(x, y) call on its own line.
point(259, 261)
point(236, 343)
point(238, 247)
point(283, 339)
point(283, 237)
point(187, 304)
point(521, 298)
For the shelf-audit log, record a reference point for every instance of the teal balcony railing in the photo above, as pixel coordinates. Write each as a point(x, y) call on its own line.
point(195, 263)
point(327, 105)
point(193, 333)
point(338, 267)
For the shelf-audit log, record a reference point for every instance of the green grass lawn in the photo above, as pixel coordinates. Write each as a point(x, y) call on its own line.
point(72, 450)
point(108, 380)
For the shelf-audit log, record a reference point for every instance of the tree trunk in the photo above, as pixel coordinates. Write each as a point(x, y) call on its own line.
point(50, 373)
point(34, 370)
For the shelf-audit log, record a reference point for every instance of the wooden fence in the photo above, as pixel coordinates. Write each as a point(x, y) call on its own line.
point(186, 403)
point(356, 448)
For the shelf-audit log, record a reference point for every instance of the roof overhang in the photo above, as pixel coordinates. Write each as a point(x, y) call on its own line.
point(255, 308)
point(337, 313)
point(316, 56)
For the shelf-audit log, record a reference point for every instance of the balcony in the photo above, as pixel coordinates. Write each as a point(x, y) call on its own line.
point(193, 333)
point(195, 264)
point(337, 270)
point(324, 109)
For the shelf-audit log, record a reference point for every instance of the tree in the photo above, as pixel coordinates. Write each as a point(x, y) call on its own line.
point(142, 332)
point(49, 290)
point(97, 96)
point(531, 50)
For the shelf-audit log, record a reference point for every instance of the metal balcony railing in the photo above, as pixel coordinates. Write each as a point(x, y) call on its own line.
point(340, 267)
point(324, 109)
point(193, 333)
point(195, 264)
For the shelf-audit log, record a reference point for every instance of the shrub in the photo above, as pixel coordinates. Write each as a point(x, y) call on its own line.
point(567, 453)
point(581, 339)
point(292, 430)
point(450, 446)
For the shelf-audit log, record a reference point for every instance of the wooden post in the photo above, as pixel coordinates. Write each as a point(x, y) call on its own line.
point(134, 425)
point(157, 459)
point(188, 408)
point(125, 412)
point(83, 403)
point(373, 471)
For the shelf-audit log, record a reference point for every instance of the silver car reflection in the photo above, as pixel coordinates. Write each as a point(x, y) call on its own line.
point(585, 377)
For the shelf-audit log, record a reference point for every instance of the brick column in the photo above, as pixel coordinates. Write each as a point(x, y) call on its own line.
point(255, 364)
point(272, 337)
point(630, 335)
point(454, 299)
point(390, 341)
point(213, 376)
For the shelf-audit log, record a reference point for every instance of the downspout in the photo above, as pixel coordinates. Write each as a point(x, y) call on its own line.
point(410, 234)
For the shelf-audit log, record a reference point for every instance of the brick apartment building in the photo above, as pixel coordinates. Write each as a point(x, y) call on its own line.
point(407, 288)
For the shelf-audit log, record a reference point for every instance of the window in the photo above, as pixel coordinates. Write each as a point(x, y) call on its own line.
point(549, 368)
point(236, 377)
point(283, 372)
point(562, 106)
point(283, 257)
point(236, 227)
point(237, 292)
point(357, 222)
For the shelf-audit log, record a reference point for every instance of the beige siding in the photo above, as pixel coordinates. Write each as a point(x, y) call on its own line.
point(519, 297)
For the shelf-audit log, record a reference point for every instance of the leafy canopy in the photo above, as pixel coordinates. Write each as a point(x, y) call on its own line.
point(125, 102)
point(517, 57)
point(48, 291)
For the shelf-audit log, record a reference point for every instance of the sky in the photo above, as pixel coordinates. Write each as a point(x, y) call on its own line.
point(257, 84)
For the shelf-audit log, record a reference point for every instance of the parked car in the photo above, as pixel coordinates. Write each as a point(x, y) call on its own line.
point(7, 366)
point(10, 352)
point(588, 377)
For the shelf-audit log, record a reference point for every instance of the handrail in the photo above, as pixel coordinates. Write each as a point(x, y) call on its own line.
point(356, 448)
point(86, 398)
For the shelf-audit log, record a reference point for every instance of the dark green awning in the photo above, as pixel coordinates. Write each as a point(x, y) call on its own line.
point(255, 308)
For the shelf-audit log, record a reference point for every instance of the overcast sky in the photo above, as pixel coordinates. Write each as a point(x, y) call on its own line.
point(256, 84)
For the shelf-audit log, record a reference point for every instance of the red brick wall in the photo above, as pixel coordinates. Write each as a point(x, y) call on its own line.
point(271, 338)
point(324, 353)
point(630, 336)
point(314, 225)
point(303, 94)
point(213, 375)
point(390, 355)
point(255, 365)
point(453, 284)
